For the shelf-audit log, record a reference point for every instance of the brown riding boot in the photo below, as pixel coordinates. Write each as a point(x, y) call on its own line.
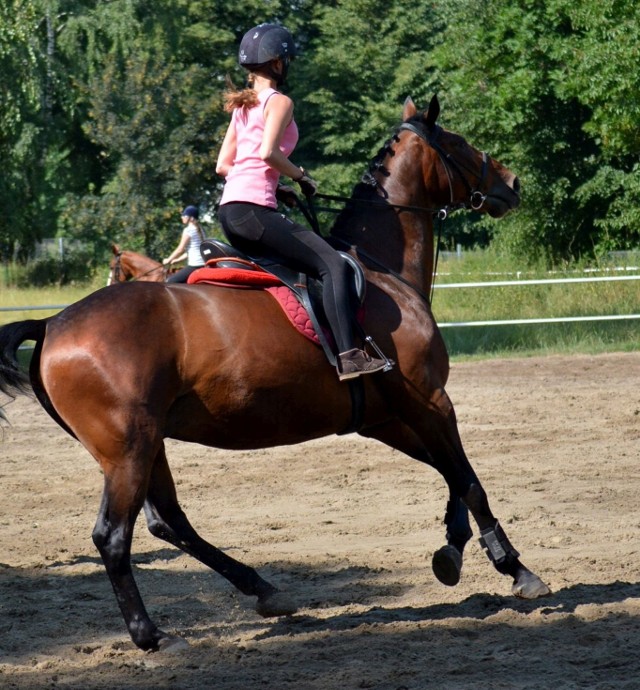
point(356, 362)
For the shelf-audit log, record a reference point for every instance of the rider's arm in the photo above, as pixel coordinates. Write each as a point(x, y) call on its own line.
point(277, 115)
point(179, 253)
point(227, 151)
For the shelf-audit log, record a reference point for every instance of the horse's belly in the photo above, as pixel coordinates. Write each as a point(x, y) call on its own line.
point(284, 405)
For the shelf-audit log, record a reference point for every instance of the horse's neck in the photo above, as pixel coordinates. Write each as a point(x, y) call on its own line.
point(400, 239)
point(419, 245)
point(139, 264)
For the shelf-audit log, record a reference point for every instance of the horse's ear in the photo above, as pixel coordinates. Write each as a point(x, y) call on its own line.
point(115, 249)
point(409, 109)
point(432, 113)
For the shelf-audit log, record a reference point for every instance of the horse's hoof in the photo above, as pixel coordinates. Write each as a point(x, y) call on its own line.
point(529, 586)
point(276, 604)
point(447, 565)
point(172, 645)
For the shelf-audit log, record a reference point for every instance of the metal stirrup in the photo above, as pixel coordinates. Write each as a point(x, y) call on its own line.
point(388, 363)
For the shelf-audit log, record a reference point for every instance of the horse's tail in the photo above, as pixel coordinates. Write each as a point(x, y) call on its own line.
point(13, 378)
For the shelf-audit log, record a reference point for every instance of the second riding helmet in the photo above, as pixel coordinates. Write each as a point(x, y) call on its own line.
point(191, 212)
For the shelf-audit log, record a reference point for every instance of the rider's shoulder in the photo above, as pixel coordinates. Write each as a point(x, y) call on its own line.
point(278, 101)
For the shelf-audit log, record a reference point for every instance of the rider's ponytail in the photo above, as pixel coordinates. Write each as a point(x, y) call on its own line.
point(240, 98)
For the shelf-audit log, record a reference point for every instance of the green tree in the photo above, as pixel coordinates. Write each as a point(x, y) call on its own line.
point(146, 116)
point(363, 58)
point(20, 99)
point(111, 117)
point(497, 69)
point(597, 66)
point(45, 155)
point(152, 90)
point(551, 88)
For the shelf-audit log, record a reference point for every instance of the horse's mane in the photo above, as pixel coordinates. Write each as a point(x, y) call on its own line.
point(376, 164)
point(368, 188)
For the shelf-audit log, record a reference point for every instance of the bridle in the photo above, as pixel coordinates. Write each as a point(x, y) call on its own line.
point(114, 275)
point(451, 165)
point(430, 136)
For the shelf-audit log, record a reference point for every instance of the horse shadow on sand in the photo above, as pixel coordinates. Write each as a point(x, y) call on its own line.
point(357, 585)
point(315, 588)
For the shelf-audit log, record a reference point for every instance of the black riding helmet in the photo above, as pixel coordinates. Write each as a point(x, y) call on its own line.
point(263, 44)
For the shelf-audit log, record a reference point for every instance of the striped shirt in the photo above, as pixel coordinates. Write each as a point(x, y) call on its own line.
point(194, 258)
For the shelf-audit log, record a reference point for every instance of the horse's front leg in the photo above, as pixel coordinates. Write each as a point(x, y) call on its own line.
point(499, 549)
point(446, 561)
point(430, 434)
point(441, 435)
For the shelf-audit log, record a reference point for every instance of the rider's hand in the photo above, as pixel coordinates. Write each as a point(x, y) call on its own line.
point(286, 195)
point(166, 261)
point(308, 186)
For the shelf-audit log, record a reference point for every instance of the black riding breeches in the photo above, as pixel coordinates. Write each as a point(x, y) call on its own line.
point(253, 229)
point(182, 275)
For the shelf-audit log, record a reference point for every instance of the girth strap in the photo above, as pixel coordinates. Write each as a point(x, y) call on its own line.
point(356, 391)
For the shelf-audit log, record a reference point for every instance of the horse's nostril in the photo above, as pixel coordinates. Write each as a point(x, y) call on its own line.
point(516, 185)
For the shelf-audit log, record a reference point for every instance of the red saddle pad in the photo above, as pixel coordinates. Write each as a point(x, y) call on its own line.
point(237, 277)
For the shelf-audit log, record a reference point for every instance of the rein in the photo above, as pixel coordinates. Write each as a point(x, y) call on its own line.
point(388, 270)
point(476, 197)
point(372, 202)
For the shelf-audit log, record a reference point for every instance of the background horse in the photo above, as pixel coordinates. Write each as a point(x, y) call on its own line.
point(127, 265)
point(133, 364)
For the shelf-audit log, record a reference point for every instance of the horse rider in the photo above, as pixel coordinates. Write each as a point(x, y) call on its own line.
point(255, 151)
point(189, 246)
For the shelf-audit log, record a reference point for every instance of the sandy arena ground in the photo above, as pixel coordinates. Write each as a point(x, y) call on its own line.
point(348, 527)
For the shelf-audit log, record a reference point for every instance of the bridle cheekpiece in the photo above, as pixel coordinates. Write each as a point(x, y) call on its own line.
point(431, 136)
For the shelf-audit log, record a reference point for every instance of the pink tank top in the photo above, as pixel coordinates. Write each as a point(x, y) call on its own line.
point(251, 179)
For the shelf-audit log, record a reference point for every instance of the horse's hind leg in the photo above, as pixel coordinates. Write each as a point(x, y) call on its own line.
point(121, 503)
point(167, 521)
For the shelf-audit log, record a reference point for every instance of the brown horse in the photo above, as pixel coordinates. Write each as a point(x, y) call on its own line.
point(127, 265)
point(133, 364)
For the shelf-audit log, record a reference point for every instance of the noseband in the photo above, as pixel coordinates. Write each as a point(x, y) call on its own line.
point(476, 197)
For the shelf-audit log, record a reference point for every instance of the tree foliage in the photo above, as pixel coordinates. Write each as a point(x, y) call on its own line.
point(522, 80)
point(111, 118)
point(363, 59)
point(21, 147)
point(597, 66)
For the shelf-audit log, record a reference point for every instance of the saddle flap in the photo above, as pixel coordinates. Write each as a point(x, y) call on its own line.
point(308, 292)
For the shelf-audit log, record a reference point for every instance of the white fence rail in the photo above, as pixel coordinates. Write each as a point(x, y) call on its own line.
point(43, 307)
point(517, 322)
point(485, 284)
point(541, 281)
